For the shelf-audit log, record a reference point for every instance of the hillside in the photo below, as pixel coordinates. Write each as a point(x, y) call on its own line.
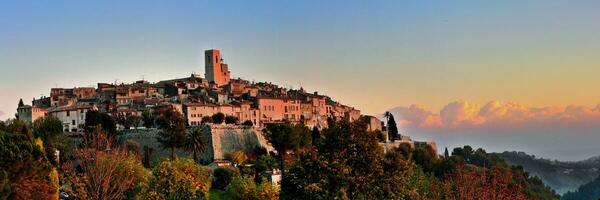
point(589, 191)
point(561, 176)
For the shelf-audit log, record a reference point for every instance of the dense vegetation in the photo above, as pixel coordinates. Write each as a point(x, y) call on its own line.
point(562, 176)
point(348, 163)
point(343, 161)
point(589, 191)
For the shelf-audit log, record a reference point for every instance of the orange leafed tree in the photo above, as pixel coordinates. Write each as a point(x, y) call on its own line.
point(107, 171)
point(472, 183)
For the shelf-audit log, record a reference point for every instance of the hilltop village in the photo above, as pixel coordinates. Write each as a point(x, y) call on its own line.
point(196, 97)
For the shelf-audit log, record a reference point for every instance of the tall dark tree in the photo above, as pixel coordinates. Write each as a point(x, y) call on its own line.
point(218, 118)
point(94, 118)
point(196, 142)
point(21, 104)
point(50, 130)
point(446, 154)
point(392, 128)
point(172, 135)
point(286, 137)
point(316, 136)
point(148, 118)
point(231, 120)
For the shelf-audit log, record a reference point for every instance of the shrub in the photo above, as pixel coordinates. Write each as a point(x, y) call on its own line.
point(180, 179)
point(248, 123)
point(222, 177)
point(218, 118)
point(231, 120)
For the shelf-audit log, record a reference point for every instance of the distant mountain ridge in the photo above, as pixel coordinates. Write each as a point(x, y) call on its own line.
point(560, 175)
point(588, 191)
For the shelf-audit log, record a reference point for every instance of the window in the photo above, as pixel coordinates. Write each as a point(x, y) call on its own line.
point(68, 113)
point(73, 122)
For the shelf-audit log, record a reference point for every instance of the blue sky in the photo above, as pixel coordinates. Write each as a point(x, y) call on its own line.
point(394, 53)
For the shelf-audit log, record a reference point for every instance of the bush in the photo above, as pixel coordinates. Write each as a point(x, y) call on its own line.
point(218, 118)
point(246, 188)
point(231, 120)
point(180, 179)
point(206, 119)
point(222, 177)
point(248, 123)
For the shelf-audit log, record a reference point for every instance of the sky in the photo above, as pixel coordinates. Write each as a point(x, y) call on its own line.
point(373, 55)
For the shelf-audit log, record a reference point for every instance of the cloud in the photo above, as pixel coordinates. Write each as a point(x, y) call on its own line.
point(461, 114)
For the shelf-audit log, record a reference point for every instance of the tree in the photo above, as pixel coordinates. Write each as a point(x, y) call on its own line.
point(50, 130)
point(102, 174)
point(20, 127)
point(392, 128)
point(244, 188)
point(94, 118)
point(180, 179)
point(285, 137)
point(196, 142)
point(248, 123)
point(148, 118)
point(222, 177)
point(482, 183)
point(446, 154)
point(218, 118)
point(231, 120)
point(206, 119)
point(315, 136)
point(172, 135)
point(347, 166)
point(135, 121)
point(24, 170)
point(21, 104)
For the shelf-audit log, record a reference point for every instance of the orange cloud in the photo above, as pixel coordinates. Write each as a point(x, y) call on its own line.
point(495, 113)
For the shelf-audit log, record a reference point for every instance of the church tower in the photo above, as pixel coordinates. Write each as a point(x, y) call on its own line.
point(215, 70)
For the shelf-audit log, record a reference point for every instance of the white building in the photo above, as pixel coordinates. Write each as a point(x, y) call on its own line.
point(72, 117)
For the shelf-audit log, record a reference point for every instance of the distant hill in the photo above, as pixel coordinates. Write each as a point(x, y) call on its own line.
point(589, 191)
point(561, 176)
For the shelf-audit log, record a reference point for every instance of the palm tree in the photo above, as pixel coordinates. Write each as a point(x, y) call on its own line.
point(172, 135)
point(195, 142)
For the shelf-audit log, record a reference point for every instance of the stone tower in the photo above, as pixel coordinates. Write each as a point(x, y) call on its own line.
point(216, 71)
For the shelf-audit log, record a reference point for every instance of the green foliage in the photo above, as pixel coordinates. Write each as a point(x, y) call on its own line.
point(231, 120)
point(20, 127)
point(222, 177)
point(50, 130)
point(392, 128)
point(180, 179)
point(24, 169)
point(206, 119)
point(588, 191)
point(347, 165)
point(218, 118)
point(148, 118)
point(248, 123)
point(551, 171)
point(173, 132)
point(286, 137)
point(244, 188)
point(94, 118)
point(196, 142)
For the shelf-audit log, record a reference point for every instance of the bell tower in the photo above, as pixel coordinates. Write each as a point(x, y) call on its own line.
point(215, 70)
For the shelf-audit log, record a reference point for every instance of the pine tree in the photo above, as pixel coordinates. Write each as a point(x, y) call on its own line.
point(21, 104)
point(392, 128)
point(446, 154)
